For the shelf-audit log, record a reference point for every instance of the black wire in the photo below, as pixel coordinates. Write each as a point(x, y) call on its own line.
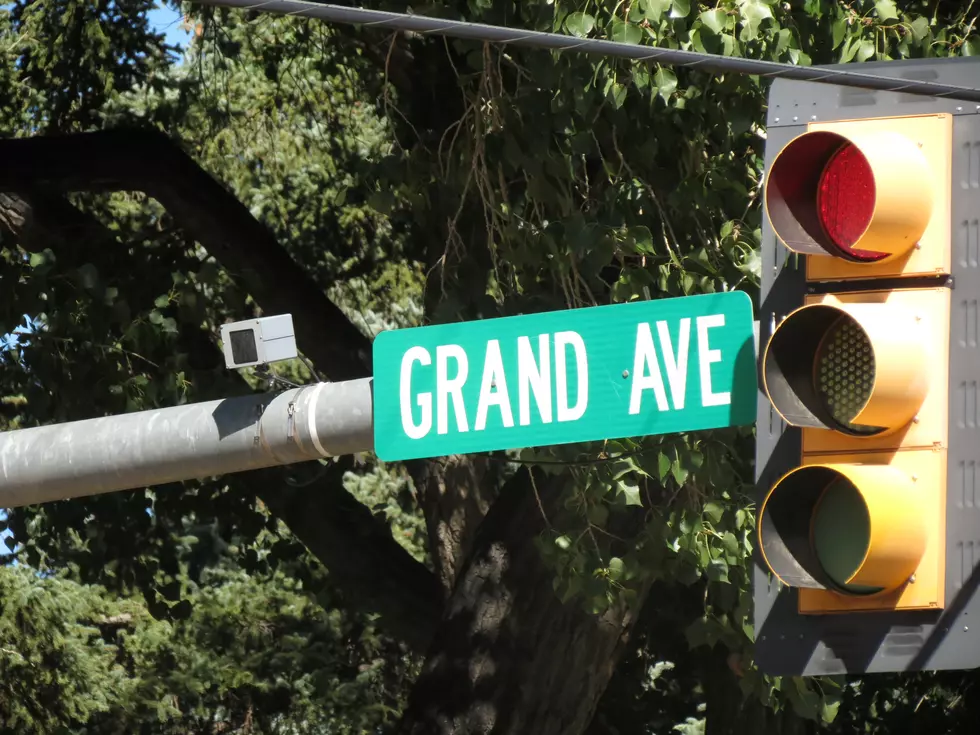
point(636, 52)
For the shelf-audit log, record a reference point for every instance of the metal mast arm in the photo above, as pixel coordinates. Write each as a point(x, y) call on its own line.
point(102, 455)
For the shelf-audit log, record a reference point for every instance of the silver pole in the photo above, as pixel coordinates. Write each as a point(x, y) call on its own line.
point(103, 455)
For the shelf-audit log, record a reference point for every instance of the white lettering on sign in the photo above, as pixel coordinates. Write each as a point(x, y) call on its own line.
point(706, 357)
point(534, 378)
point(562, 340)
point(413, 430)
point(493, 389)
point(676, 365)
point(534, 375)
point(646, 371)
point(446, 388)
point(646, 367)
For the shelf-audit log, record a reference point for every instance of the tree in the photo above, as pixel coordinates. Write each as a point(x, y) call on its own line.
point(119, 294)
point(512, 181)
point(255, 654)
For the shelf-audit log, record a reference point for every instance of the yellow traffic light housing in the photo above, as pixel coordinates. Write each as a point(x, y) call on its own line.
point(859, 366)
point(885, 393)
point(868, 430)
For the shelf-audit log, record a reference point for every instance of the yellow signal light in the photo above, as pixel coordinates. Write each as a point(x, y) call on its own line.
point(857, 368)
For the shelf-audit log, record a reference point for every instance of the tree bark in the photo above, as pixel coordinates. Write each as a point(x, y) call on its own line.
point(508, 656)
point(454, 493)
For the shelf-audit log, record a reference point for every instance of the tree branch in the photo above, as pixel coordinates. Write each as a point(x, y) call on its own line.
point(358, 551)
point(148, 161)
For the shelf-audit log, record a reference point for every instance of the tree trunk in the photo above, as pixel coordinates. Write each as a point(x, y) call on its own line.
point(453, 492)
point(509, 657)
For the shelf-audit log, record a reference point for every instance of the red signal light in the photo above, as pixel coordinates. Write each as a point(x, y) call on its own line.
point(862, 197)
point(846, 201)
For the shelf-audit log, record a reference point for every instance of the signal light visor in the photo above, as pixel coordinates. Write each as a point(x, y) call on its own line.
point(855, 529)
point(855, 368)
point(864, 198)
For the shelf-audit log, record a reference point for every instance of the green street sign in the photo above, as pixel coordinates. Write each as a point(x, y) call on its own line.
point(607, 372)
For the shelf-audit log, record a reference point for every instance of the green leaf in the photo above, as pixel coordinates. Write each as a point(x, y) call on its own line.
point(839, 31)
point(783, 40)
point(641, 77)
point(866, 50)
point(617, 94)
point(714, 20)
point(714, 511)
point(679, 473)
point(666, 82)
point(616, 568)
point(580, 24)
point(598, 514)
point(754, 13)
point(972, 46)
point(920, 28)
point(687, 524)
point(563, 542)
point(625, 32)
point(741, 517)
point(37, 259)
point(653, 9)
point(730, 542)
point(571, 587)
point(698, 42)
point(807, 702)
point(162, 301)
point(686, 572)
point(886, 9)
point(680, 8)
point(698, 633)
point(717, 570)
point(828, 711)
point(663, 465)
point(631, 492)
point(642, 239)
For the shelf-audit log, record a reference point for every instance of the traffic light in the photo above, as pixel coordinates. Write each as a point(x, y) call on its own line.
point(869, 413)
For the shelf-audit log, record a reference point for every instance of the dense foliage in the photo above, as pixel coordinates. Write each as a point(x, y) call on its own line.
point(415, 181)
point(256, 654)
